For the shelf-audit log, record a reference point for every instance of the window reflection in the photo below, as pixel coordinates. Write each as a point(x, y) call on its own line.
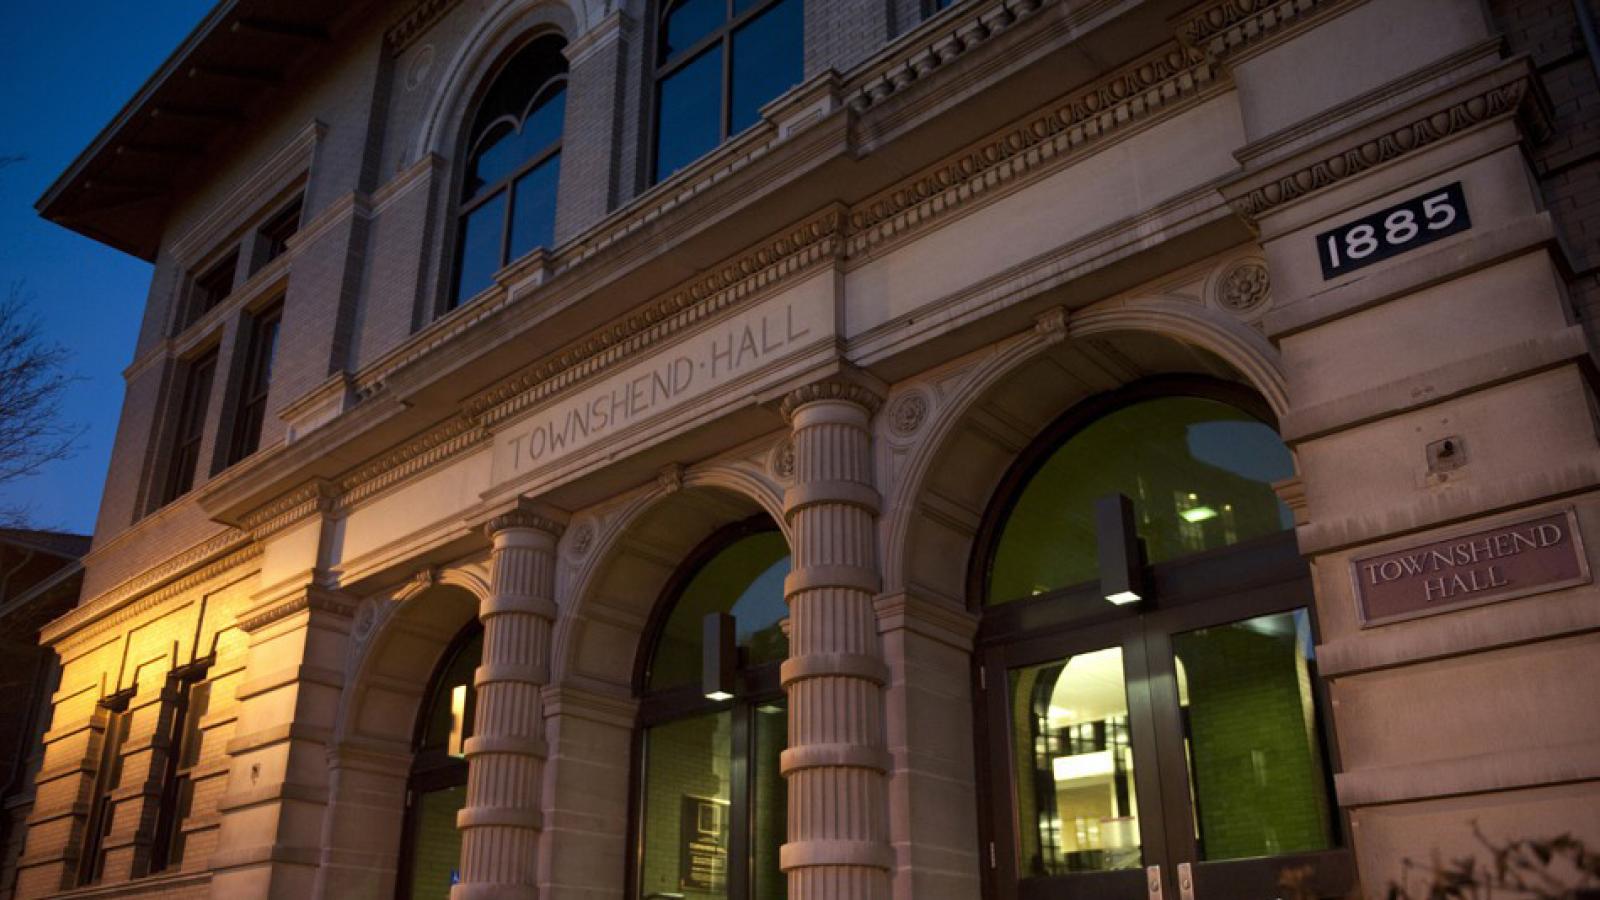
point(745, 579)
point(1076, 801)
point(513, 150)
point(1199, 473)
point(718, 63)
point(1256, 772)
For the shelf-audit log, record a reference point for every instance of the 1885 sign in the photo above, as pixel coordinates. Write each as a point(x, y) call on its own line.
point(1393, 231)
point(1514, 560)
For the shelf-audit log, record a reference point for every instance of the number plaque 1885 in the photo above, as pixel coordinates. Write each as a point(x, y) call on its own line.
point(1391, 232)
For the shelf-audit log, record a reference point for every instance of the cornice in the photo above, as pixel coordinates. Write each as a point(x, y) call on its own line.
point(1088, 117)
point(289, 161)
point(1226, 28)
point(126, 602)
point(1434, 123)
point(524, 516)
point(434, 446)
point(841, 388)
point(310, 597)
point(315, 496)
point(418, 20)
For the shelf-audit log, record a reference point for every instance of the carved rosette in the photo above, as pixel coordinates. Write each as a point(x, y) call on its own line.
point(908, 412)
point(1244, 287)
point(780, 461)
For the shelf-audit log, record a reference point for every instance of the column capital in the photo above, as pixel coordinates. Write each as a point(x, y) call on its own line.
point(848, 386)
point(529, 515)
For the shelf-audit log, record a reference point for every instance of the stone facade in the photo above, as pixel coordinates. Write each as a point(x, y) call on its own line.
point(851, 318)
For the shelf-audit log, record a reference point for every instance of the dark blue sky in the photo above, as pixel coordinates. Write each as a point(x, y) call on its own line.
point(65, 70)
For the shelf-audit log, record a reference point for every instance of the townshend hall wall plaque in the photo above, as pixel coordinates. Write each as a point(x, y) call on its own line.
point(1513, 560)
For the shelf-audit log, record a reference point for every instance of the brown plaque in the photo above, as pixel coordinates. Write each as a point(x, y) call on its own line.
point(1513, 560)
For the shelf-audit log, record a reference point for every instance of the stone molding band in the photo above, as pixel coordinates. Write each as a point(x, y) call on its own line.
point(805, 854)
point(813, 578)
point(850, 756)
point(504, 604)
point(833, 665)
point(500, 816)
point(812, 493)
point(510, 673)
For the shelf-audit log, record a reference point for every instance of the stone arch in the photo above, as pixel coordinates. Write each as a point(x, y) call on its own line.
point(508, 24)
point(987, 408)
point(636, 547)
point(399, 638)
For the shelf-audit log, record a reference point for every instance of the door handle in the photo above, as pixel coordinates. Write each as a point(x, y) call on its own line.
point(1185, 882)
point(1152, 881)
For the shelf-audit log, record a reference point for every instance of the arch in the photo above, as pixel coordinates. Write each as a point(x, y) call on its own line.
point(506, 26)
point(982, 418)
point(632, 552)
point(406, 631)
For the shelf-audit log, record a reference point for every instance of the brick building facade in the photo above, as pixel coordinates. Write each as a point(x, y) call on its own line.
point(584, 449)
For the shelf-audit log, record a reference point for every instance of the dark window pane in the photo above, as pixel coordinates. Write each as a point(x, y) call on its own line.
point(688, 22)
point(252, 409)
point(436, 845)
point(533, 214)
point(1256, 772)
point(770, 796)
point(542, 127)
point(479, 255)
point(450, 707)
point(1199, 473)
point(685, 820)
point(689, 118)
point(496, 155)
point(766, 60)
point(278, 230)
point(210, 288)
point(191, 427)
point(1076, 803)
point(745, 579)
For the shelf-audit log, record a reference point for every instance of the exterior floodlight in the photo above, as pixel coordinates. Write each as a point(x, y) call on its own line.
point(719, 656)
point(1120, 576)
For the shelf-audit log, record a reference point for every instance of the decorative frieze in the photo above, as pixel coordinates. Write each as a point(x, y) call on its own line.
point(315, 496)
point(443, 442)
point(1514, 97)
point(412, 25)
point(309, 597)
point(1087, 117)
point(1224, 28)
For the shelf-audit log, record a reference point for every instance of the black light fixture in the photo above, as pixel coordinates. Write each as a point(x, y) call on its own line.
point(1121, 574)
point(719, 656)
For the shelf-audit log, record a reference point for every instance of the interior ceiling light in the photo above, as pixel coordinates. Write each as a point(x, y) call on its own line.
point(1198, 514)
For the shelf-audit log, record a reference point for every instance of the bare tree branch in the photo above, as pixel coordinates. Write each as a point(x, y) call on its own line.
point(32, 381)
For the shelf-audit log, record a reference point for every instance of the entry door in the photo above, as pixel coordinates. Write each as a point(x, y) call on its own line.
point(1173, 750)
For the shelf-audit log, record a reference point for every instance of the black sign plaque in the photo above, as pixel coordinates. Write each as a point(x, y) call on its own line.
point(1393, 231)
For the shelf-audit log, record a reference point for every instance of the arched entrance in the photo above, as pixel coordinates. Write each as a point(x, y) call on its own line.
point(1155, 725)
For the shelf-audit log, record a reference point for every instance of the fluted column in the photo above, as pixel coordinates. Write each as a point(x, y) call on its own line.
point(836, 764)
point(506, 754)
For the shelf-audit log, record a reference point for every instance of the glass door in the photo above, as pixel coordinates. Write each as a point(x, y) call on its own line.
point(1072, 743)
point(1180, 741)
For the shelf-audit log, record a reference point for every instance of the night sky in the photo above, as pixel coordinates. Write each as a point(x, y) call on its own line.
point(65, 71)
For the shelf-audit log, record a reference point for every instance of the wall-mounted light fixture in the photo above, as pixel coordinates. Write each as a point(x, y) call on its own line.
point(1121, 571)
point(719, 656)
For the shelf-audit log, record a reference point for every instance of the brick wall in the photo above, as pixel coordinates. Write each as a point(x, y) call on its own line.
point(1568, 164)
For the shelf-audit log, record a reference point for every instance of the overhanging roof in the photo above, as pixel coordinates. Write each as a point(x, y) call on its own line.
point(119, 189)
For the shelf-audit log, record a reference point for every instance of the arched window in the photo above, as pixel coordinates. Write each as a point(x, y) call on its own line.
point(717, 63)
point(1182, 729)
point(513, 162)
point(437, 788)
point(710, 812)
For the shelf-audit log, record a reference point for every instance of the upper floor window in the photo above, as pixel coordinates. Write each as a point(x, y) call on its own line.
point(252, 409)
point(208, 289)
point(191, 426)
point(513, 154)
point(276, 231)
point(718, 63)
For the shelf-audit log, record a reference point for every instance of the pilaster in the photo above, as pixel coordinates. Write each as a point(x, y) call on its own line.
point(593, 131)
point(502, 820)
point(836, 765)
point(269, 842)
